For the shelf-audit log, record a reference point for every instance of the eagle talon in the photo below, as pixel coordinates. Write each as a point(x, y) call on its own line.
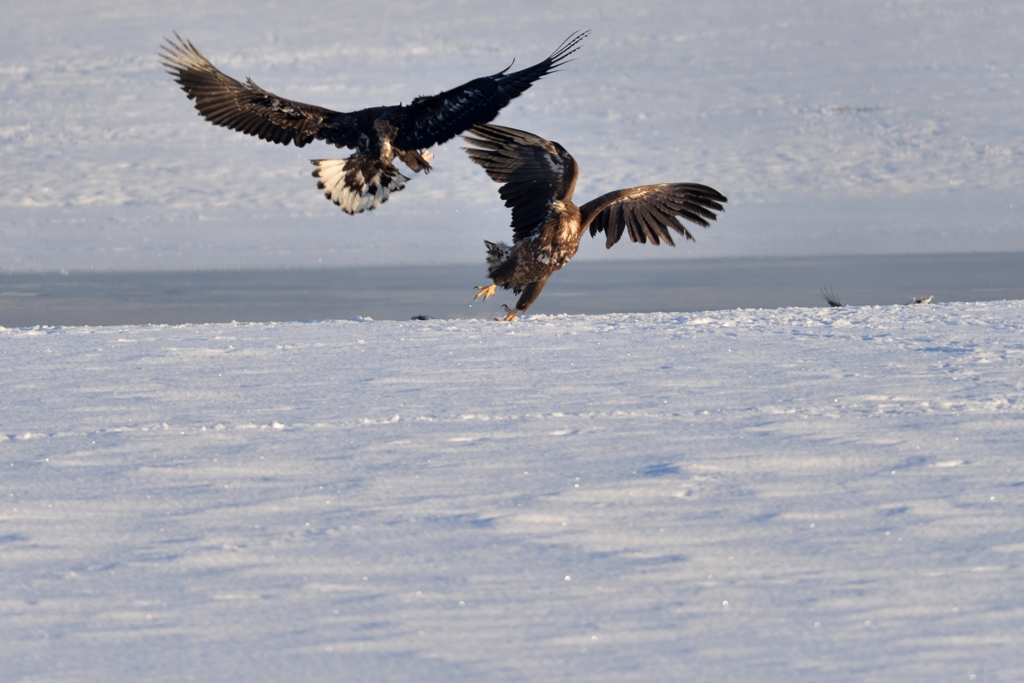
point(511, 313)
point(485, 291)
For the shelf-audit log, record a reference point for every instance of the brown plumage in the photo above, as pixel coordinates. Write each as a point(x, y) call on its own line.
point(366, 179)
point(538, 178)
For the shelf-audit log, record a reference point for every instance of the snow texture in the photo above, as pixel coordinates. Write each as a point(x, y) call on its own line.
point(834, 128)
point(772, 495)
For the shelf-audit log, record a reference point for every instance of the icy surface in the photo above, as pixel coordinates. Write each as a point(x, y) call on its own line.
point(840, 127)
point(771, 495)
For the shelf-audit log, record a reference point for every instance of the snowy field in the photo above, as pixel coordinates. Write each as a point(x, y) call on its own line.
point(748, 495)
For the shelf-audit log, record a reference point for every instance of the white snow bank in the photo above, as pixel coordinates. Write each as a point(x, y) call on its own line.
point(772, 495)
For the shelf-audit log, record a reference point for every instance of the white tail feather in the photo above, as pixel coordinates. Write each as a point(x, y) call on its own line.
point(370, 193)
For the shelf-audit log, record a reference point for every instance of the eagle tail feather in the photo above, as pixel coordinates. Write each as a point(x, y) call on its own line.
point(500, 263)
point(357, 184)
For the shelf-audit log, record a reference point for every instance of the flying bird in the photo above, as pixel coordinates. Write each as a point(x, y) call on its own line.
point(538, 178)
point(367, 178)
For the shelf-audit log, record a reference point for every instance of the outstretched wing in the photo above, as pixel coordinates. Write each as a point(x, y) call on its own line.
point(437, 119)
point(250, 109)
point(648, 211)
point(534, 172)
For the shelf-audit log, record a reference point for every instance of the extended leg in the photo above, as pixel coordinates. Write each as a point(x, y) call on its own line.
point(485, 291)
point(416, 160)
point(529, 295)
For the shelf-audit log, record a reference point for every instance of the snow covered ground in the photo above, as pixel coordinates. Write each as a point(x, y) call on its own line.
point(771, 495)
point(865, 126)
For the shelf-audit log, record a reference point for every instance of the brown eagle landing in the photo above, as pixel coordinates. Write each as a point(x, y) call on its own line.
point(366, 179)
point(538, 178)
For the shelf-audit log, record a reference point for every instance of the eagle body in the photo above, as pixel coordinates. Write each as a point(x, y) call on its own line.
point(535, 259)
point(538, 178)
point(377, 135)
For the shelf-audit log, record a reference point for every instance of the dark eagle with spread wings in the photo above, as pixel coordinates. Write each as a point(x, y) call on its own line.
point(366, 179)
point(538, 178)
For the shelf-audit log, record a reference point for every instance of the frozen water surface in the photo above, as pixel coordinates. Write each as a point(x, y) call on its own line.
point(590, 287)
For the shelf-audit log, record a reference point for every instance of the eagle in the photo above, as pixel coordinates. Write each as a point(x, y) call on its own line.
point(537, 179)
point(366, 179)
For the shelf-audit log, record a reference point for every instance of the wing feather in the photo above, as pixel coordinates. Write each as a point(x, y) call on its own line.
point(615, 222)
point(534, 173)
point(651, 226)
point(435, 119)
point(648, 212)
point(635, 234)
point(250, 109)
